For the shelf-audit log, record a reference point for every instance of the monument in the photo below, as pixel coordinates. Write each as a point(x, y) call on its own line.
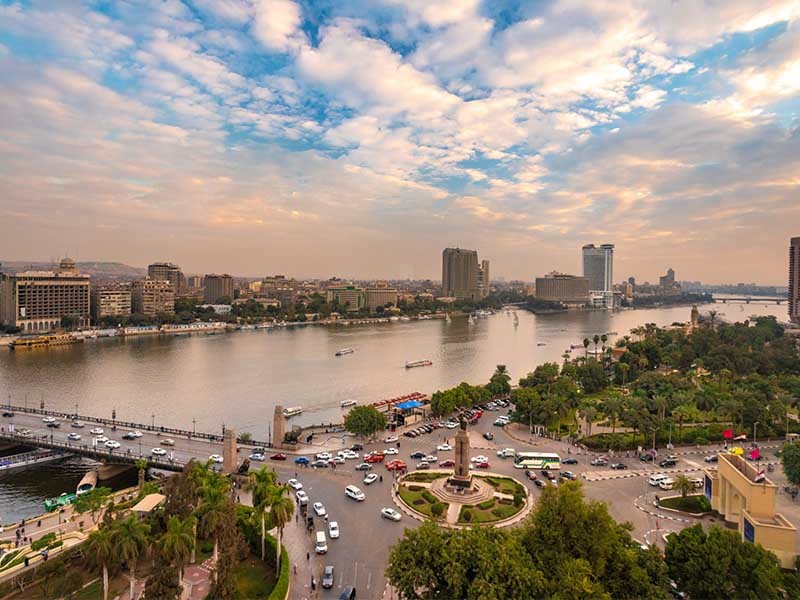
point(229, 451)
point(278, 428)
point(462, 477)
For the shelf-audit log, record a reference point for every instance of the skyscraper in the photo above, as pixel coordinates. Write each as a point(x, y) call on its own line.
point(217, 287)
point(598, 266)
point(165, 271)
point(483, 278)
point(794, 280)
point(460, 274)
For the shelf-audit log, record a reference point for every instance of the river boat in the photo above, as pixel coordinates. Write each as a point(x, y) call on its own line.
point(64, 499)
point(541, 344)
point(344, 351)
point(447, 317)
point(88, 483)
point(418, 363)
point(347, 403)
point(471, 320)
point(292, 411)
point(576, 346)
point(45, 341)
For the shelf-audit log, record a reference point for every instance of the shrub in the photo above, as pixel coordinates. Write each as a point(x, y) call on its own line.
point(437, 509)
point(519, 500)
point(43, 541)
point(466, 515)
point(701, 440)
point(486, 504)
point(428, 496)
point(281, 588)
point(55, 545)
point(506, 501)
point(418, 502)
point(415, 488)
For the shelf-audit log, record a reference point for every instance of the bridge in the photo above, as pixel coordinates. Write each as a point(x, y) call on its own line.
point(750, 300)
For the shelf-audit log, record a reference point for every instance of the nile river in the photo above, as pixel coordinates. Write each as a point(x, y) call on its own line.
point(238, 378)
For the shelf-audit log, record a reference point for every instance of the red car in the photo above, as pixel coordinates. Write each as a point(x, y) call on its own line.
point(447, 463)
point(374, 458)
point(279, 456)
point(481, 465)
point(396, 465)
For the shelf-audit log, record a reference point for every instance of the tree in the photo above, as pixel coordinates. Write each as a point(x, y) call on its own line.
point(164, 581)
point(499, 383)
point(178, 542)
point(100, 550)
point(260, 484)
point(212, 507)
point(141, 465)
point(790, 459)
point(92, 501)
point(131, 540)
point(586, 343)
point(281, 509)
point(364, 421)
point(683, 485)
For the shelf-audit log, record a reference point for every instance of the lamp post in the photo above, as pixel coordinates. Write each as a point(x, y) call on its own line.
point(754, 433)
point(114, 419)
point(153, 421)
point(194, 424)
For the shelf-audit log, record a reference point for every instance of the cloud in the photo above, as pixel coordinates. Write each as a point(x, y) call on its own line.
point(277, 24)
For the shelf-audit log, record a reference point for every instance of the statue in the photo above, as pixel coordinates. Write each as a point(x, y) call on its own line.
point(462, 477)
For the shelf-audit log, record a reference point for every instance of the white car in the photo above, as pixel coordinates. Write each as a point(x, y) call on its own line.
point(295, 485)
point(506, 453)
point(324, 456)
point(444, 447)
point(349, 455)
point(429, 459)
point(48, 419)
point(391, 514)
point(391, 451)
point(256, 456)
point(479, 459)
point(112, 444)
point(101, 439)
point(215, 458)
point(319, 508)
point(301, 496)
point(390, 440)
point(333, 530)
point(96, 431)
point(136, 433)
point(451, 425)
point(158, 452)
point(371, 478)
point(74, 437)
point(167, 442)
point(77, 424)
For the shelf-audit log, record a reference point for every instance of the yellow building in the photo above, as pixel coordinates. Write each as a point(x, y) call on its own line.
point(736, 491)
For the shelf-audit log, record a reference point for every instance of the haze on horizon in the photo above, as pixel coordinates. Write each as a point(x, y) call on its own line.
point(359, 138)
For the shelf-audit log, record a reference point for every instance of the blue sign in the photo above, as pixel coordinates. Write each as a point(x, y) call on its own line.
point(749, 531)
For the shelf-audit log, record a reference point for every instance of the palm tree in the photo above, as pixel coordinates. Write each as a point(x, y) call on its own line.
point(624, 369)
point(100, 548)
point(178, 542)
point(682, 484)
point(211, 510)
point(260, 483)
point(586, 343)
point(596, 340)
point(131, 540)
point(713, 315)
point(141, 464)
point(281, 509)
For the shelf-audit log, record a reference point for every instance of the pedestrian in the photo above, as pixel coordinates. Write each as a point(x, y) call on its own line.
point(381, 479)
point(326, 518)
point(296, 517)
point(313, 583)
point(295, 569)
point(308, 556)
point(39, 523)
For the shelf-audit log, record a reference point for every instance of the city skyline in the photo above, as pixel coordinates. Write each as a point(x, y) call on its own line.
point(230, 135)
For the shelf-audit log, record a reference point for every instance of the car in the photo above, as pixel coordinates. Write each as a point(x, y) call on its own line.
point(167, 442)
point(391, 451)
point(101, 439)
point(355, 493)
point(77, 424)
point(96, 431)
point(374, 458)
point(333, 529)
point(8, 413)
point(327, 577)
point(618, 466)
point(654, 480)
point(363, 467)
point(74, 437)
point(321, 546)
point(336, 460)
point(319, 509)
point(301, 460)
point(54, 425)
point(447, 463)
point(215, 458)
point(569, 461)
point(320, 464)
point(530, 475)
point(450, 424)
point(647, 458)
point(422, 465)
point(408, 434)
point(26, 433)
point(568, 475)
point(500, 422)
point(668, 462)
point(257, 456)
point(429, 458)
point(480, 465)
point(129, 436)
point(712, 458)
point(506, 453)
point(538, 482)
point(294, 484)
point(418, 454)
point(158, 452)
point(390, 439)
point(278, 456)
point(444, 447)
point(488, 436)
point(549, 475)
point(370, 478)
point(666, 484)
point(112, 445)
point(349, 455)
point(396, 465)
point(391, 514)
point(48, 419)
point(479, 458)
point(324, 456)
point(348, 593)
point(599, 462)
point(357, 447)
point(301, 496)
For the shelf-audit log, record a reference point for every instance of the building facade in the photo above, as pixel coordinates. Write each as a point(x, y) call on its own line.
point(165, 271)
point(460, 273)
point(194, 282)
point(793, 293)
point(37, 301)
point(380, 295)
point(151, 297)
point(598, 268)
point(110, 302)
point(560, 287)
point(483, 278)
point(349, 297)
point(216, 287)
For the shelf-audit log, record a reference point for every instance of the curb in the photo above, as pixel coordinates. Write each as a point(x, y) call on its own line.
point(658, 516)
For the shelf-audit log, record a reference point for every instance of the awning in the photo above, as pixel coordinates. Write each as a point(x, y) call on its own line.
point(408, 405)
point(148, 503)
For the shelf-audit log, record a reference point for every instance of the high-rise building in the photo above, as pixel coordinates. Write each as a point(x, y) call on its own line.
point(37, 301)
point(793, 294)
point(349, 297)
point(111, 302)
point(194, 282)
point(217, 287)
point(380, 295)
point(460, 273)
point(483, 278)
point(165, 271)
point(559, 287)
point(151, 297)
point(598, 266)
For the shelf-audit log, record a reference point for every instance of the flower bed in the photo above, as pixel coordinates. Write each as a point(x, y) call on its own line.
point(422, 501)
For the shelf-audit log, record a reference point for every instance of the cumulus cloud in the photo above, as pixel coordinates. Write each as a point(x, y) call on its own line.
point(277, 24)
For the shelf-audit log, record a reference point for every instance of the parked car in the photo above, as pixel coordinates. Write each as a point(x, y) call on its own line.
point(711, 458)
point(391, 514)
point(363, 467)
point(488, 436)
point(278, 456)
point(216, 458)
point(301, 460)
point(294, 484)
point(8, 413)
point(549, 474)
point(646, 458)
point(390, 439)
point(668, 462)
point(568, 475)
point(530, 475)
point(319, 509)
point(327, 577)
point(569, 461)
point(479, 458)
point(444, 447)
point(396, 465)
point(391, 451)
point(599, 462)
point(447, 463)
point(320, 464)
point(480, 465)
point(333, 529)
point(256, 456)
point(538, 482)
point(357, 447)
point(301, 496)
point(324, 456)
point(374, 458)
point(619, 466)
point(423, 465)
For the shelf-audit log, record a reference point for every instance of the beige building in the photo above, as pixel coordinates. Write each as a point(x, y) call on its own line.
point(151, 297)
point(110, 302)
point(380, 295)
point(194, 282)
point(216, 287)
point(559, 287)
point(350, 296)
point(483, 279)
point(36, 301)
point(736, 491)
point(460, 274)
point(794, 280)
point(168, 272)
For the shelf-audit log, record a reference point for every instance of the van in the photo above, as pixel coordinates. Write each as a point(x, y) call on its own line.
point(656, 479)
point(666, 484)
point(353, 492)
point(321, 547)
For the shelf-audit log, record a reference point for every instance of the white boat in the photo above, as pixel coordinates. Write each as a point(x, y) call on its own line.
point(471, 320)
point(344, 351)
point(346, 403)
point(418, 363)
point(292, 411)
point(516, 319)
point(447, 317)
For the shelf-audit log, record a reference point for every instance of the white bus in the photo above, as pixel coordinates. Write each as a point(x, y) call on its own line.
point(537, 460)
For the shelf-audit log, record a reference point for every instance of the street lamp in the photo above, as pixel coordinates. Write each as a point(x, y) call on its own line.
point(153, 421)
point(754, 433)
point(193, 426)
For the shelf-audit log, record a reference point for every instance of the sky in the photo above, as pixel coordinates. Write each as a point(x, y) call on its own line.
point(361, 137)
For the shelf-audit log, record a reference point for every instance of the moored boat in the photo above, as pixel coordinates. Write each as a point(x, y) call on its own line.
point(344, 351)
point(347, 403)
point(292, 411)
point(64, 499)
point(45, 341)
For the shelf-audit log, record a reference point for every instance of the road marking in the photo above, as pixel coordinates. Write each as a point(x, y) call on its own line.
point(369, 579)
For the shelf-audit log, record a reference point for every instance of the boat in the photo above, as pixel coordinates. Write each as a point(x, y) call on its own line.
point(347, 403)
point(292, 411)
point(64, 499)
point(447, 317)
point(344, 351)
point(88, 483)
point(45, 341)
point(541, 344)
point(471, 320)
point(418, 363)
point(576, 346)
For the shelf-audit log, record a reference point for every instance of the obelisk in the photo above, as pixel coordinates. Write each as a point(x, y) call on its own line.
point(462, 476)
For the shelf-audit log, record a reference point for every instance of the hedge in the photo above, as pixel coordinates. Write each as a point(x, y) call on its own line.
point(429, 497)
point(43, 542)
point(486, 504)
point(627, 441)
point(281, 589)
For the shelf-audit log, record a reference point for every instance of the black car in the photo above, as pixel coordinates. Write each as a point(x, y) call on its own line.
point(348, 593)
point(619, 466)
point(569, 461)
point(530, 475)
point(568, 475)
point(364, 467)
point(357, 447)
point(418, 454)
point(327, 577)
point(54, 425)
point(538, 482)
point(646, 458)
point(488, 436)
point(668, 462)
point(8, 413)
point(549, 475)
point(130, 436)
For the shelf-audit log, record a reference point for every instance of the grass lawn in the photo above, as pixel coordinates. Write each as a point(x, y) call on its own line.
point(415, 500)
point(692, 504)
point(494, 510)
point(424, 477)
point(254, 579)
point(505, 485)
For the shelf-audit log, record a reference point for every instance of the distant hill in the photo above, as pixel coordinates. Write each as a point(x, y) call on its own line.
point(97, 269)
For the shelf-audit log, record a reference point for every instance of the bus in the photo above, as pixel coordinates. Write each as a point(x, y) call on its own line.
point(537, 460)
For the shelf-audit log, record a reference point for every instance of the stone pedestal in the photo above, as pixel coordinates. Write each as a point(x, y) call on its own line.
point(229, 451)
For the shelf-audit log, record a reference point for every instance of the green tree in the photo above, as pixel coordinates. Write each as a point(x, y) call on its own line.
point(500, 382)
point(101, 552)
point(260, 484)
point(177, 543)
point(586, 343)
point(364, 421)
point(281, 509)
point(141, 465)
point(164, 581)
point(92, 502)
point(683, 485)
point(214, 497)
point(790, 459)
point(131, 540)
